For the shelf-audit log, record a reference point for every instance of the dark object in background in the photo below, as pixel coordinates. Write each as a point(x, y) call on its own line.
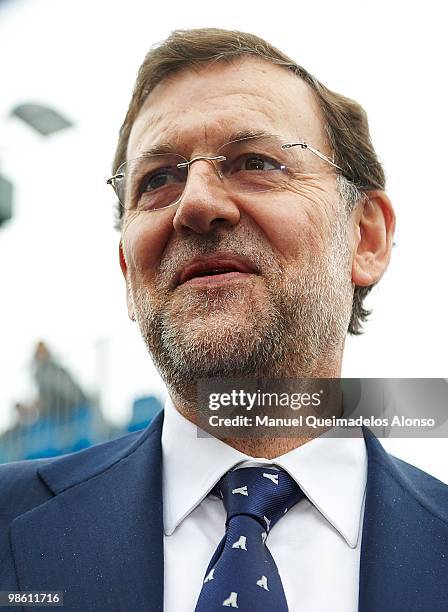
point(43, 119)
point(6, 194)
point(58, 392)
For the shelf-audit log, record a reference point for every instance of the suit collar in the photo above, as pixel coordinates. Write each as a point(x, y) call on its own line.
point(66, 472)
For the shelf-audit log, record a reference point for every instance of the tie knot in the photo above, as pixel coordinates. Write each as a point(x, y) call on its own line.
point(263, 493)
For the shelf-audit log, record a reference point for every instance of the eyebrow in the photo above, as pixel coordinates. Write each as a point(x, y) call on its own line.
point(243, 134)
point(160, 149)
point(165, 148)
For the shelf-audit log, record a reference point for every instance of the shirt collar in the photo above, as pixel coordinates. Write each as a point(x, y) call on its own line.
point(191, 465)
point(332, 472)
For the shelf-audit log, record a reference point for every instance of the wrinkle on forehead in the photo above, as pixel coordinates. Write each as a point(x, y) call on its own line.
point(208, 104)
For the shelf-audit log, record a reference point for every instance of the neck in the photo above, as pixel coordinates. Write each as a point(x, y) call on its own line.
point(275, 441)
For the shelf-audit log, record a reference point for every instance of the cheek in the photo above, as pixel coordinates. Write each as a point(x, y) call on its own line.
point(144, 239)
point(297, 228)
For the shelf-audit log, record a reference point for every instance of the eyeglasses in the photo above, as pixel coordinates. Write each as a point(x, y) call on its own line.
point(249, 165)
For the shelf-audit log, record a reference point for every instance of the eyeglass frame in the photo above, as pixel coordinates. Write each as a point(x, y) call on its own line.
point(213, 158)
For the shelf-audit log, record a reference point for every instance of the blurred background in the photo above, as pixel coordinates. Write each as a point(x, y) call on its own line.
point(73, 369)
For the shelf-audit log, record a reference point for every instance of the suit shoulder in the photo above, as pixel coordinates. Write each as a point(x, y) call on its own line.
point(425, 489)
point(23, 485)
point(70, 470)
point(428, 490)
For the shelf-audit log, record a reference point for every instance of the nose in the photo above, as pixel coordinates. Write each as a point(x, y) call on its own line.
point(205, 202)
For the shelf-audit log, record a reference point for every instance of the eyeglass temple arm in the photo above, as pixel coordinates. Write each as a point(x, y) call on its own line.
point(111, 180)
point(303, 145)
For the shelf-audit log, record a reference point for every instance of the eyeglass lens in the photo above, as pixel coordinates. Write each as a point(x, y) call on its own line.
point(152, 182)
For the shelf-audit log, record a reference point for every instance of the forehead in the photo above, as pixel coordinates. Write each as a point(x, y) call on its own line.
point(204, 107)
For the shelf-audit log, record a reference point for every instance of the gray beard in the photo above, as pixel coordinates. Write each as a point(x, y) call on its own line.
point(293, 332)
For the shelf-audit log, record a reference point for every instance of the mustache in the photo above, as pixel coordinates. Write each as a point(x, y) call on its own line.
point(245, 244)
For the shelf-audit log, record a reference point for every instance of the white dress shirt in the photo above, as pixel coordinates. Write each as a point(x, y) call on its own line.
point(316, 545)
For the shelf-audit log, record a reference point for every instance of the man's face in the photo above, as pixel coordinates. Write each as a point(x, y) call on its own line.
point(284, 304)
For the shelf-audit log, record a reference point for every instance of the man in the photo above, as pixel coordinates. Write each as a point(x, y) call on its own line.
point(253, 223)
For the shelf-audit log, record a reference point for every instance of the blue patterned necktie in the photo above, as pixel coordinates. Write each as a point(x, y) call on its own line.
point(242, 573)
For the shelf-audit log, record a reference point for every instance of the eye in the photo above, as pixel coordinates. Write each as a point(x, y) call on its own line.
point(251, 162)
point(161, 178)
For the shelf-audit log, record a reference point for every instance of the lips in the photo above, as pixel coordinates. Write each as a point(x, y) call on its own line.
point(214, 266)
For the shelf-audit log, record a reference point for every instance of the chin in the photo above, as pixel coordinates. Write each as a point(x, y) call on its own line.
point(216, 346)
point(212, 334)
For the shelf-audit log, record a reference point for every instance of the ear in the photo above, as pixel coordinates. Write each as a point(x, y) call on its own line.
point(374, 231)
point(124, 269)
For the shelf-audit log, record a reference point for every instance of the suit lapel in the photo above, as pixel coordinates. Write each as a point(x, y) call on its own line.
point(100, 539)
point(404, 551)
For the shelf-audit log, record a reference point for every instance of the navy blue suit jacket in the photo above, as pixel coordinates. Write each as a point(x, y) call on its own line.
point(91, 525)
